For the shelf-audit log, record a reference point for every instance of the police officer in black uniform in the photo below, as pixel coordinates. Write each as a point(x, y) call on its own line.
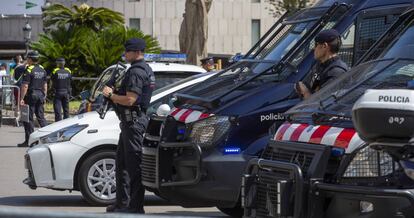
point(61, 80)
point(131, 101)
point(329, 65)
point(208, 64)
point(33, 93)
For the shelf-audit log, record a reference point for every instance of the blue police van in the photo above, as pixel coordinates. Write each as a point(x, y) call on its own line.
point(197, 156)
point(318, 165)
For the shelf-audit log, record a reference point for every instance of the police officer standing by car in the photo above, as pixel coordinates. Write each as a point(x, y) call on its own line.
point(131, 101)
point(329, 65)
point(61, 80)
point(208, 64)
point(33, 93)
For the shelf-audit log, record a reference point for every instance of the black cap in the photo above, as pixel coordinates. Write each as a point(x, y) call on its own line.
point(33, 54)
point(327, 36)
point(60, 60)
point(135, 44)
point(3, 65)
point(206, 60)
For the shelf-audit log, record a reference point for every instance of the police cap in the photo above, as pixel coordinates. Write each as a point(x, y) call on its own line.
point(207, 60)
point(33, 54)
point(327, 36)
point(60, 60)
point(135, 44)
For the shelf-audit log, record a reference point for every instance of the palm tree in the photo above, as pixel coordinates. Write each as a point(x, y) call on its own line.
point(61, 42)
point(82, 16)
point(106, 47)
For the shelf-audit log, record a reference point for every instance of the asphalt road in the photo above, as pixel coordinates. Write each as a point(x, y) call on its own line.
point(15, 195)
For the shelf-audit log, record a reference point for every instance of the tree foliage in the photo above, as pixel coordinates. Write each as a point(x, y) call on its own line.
point(90, 39)
point(278, 7)
point(82, 16)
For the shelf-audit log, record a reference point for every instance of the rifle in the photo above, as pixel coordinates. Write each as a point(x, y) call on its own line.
point(115, 76)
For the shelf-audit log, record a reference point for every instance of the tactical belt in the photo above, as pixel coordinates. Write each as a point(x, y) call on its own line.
point(129, 114)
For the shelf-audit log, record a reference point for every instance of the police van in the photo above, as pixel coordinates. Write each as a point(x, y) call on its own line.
point(317, 165)
point(217, 126)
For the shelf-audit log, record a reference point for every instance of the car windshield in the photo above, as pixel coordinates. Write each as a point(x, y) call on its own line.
point(163, 79)
point(393, 69)
point(339, 99)
point(177, 83)
point(251, 73)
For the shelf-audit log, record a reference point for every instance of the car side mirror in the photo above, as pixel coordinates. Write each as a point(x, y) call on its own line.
point(163, 110)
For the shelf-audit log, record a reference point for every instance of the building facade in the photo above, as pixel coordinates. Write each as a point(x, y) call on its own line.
point(234, 25)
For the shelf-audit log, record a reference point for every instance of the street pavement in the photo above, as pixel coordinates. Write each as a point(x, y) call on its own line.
point(14, 194)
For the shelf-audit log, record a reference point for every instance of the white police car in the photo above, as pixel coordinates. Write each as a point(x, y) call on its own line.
point(79, 153)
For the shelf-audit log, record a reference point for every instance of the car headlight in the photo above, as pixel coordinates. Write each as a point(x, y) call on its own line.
point(62, 135)
point(208, 131)
point(369, 162)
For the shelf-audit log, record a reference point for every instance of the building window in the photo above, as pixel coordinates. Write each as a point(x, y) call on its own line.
point(255, 31)
point(135, 23)
point(255, 1)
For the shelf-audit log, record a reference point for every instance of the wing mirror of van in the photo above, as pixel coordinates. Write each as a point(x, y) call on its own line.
point(163, 110)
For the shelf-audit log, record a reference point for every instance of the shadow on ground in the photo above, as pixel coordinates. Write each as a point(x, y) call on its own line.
point(65, 201)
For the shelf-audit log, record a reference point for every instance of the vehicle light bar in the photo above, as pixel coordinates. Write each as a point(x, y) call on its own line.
point(165, 57)
point(232, 150)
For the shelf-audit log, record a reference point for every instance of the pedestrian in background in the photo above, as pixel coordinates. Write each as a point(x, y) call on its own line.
point(61, 82)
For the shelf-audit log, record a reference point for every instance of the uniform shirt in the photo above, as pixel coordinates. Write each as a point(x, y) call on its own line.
point(323, 73)
point(61, 78)
point(140, 80)
point(35, 77)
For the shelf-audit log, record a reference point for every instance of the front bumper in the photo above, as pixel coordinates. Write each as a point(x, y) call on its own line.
point(345, 201)
point(184, 174)
point(39, 164)
point(286, 185)
point(52, 165)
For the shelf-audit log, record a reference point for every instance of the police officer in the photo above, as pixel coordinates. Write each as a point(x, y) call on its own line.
point(208, 64)
point(61, 80)
point(33, 93)
point(131, 101)
point(329, 65)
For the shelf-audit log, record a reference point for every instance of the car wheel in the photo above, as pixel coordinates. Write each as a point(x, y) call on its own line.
point(233, 212)
point(97, 178)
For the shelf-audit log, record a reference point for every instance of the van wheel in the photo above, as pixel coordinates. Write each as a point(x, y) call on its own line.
point(233, 212)
point(96, 178)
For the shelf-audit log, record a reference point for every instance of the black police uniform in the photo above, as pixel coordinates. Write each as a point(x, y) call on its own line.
point(129, 191)
point(61, 78)
point(323, 73)
point(35, 78)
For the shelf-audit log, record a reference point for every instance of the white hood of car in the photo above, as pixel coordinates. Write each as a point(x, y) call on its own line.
point(90, 118)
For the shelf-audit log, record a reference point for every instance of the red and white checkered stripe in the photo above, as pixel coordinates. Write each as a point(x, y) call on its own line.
point(326, 135)
point(188, 115)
